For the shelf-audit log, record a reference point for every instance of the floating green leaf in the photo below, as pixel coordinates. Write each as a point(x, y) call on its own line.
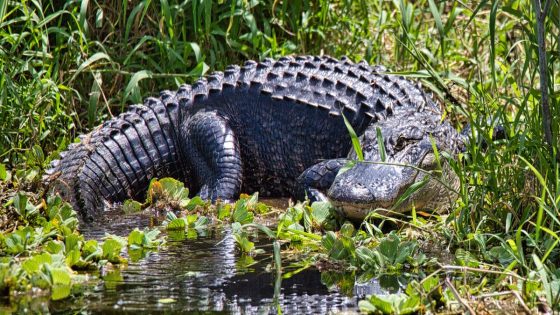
point(60, 276)
point(177, 224)
point(390, 304)
point(131, 206)
point(241, 214)
point(111, 250)
point(59, 292)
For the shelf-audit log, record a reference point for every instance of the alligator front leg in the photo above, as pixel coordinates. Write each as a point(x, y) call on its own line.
point(213, 152)
point(316, 180)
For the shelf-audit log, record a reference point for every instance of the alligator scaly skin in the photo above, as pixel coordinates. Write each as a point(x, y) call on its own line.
point(251, 128)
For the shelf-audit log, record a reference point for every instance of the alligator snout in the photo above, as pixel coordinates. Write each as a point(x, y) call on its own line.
point(371, 185)
point(368, 186)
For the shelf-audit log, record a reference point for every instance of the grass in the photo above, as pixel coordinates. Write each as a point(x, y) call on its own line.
point(66, 66)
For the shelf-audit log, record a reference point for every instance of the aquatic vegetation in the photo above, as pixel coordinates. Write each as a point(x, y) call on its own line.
point(64, 67)
point(46, 249)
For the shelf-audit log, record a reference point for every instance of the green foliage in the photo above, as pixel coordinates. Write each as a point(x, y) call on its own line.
point(66, 66)
point(43, 253)
point(131, 206)
point(193, 225)
point(3, 172)
point(242, 221)
point(241, 212)
point(341, 246)
point(390, 304)
point(241, 238)
point(144, 239)
point(391, 254)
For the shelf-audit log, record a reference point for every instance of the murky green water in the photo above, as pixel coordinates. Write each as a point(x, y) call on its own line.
point(206, 274)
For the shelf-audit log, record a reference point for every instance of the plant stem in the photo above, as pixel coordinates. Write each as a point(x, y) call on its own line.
point(543, 71)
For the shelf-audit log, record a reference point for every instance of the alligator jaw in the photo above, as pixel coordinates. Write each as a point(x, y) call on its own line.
point(369, 186)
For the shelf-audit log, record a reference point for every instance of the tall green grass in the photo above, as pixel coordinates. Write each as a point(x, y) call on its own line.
point(66, 65)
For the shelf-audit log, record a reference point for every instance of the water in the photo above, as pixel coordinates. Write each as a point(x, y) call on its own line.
point(206, 274)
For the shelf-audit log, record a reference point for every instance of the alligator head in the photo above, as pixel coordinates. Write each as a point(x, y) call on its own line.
point(410, 163)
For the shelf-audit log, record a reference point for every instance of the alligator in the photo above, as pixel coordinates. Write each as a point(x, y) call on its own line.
point(276, 127)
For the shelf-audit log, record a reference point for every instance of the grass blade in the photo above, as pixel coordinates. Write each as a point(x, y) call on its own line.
point(355, 140)
point(133, 89)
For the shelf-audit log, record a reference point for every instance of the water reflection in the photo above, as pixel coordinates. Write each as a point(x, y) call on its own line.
point(207, 274)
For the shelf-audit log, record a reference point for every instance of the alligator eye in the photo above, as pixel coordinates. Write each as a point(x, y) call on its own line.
point(401, 143)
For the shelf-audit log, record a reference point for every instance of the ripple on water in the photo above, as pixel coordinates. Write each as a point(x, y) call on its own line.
point(202, 275)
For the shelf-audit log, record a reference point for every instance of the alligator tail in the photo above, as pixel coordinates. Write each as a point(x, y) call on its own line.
point(117, 160)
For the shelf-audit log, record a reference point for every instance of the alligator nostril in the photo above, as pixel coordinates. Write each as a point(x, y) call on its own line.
point(360, 192)
point(346, 191)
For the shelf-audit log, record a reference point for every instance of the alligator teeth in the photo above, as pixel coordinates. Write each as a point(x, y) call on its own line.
point(324, 105)
point(389, 108)
point(372, 116)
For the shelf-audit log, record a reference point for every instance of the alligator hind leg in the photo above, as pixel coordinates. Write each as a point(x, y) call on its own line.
point(317, 179)
point(213, 152)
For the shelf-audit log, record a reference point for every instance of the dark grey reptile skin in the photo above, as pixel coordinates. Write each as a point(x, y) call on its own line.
point(261, 127)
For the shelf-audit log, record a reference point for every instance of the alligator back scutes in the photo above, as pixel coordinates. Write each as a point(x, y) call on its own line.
point(325, 82)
